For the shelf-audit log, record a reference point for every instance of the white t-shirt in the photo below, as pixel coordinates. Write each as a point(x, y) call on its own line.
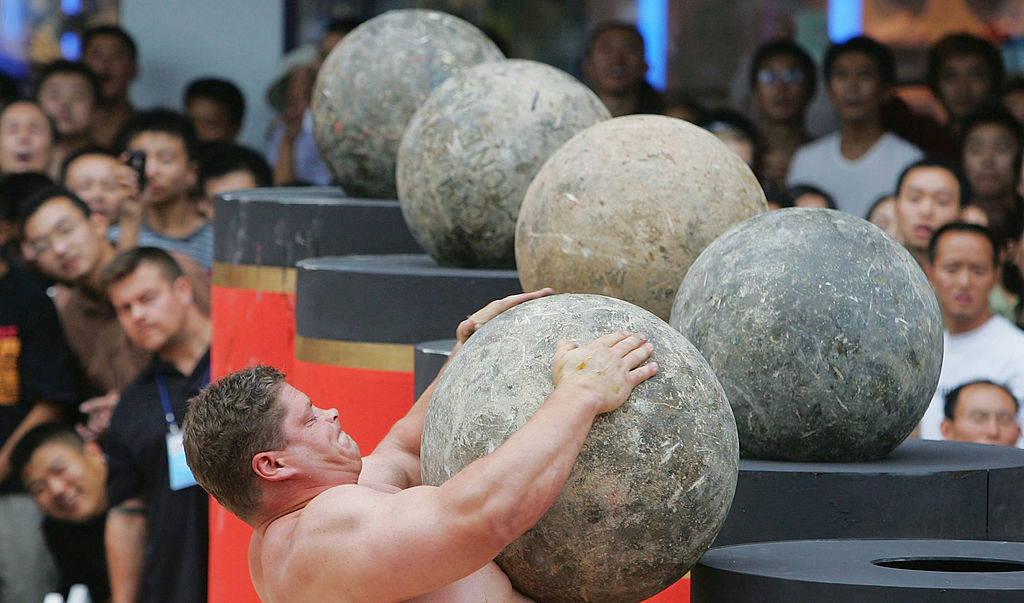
point(855, 184)
point(994, 351)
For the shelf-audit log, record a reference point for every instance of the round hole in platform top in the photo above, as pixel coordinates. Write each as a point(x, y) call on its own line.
point(951, 564)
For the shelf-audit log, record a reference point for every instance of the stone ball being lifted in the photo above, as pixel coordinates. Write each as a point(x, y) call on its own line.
point(823, 331)
point(654, 480)
point(625, 206)
point(472, 148)
point(375, 79)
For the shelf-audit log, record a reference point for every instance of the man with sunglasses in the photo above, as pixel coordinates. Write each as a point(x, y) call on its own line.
point(783, 81)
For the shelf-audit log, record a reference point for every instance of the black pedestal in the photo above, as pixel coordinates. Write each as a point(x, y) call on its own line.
point(430, 357)
point(855, 571)
point(924, 489)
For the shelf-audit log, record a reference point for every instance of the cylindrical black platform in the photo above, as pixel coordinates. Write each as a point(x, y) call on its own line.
point(358, 319)
point(840, 571)
point(924, 489)
point(430, 357)
point(403, 299)
point(280, 226)
point(259, 235)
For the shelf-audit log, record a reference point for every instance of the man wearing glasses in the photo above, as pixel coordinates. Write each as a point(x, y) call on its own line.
point(983, 412)
point(783, 82)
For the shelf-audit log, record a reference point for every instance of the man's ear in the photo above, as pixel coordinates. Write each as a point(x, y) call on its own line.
point(947, 429)
point(268, 466)
point(183, 288)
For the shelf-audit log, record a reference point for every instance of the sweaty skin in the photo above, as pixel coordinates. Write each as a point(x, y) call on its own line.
point(364, 529)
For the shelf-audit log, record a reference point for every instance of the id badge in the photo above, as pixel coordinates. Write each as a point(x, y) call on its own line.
point(177, 468)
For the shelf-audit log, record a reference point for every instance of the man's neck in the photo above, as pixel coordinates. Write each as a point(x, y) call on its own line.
point(857, 138)
point(116, 106)
point(788, 134)
point(174, 219)
point(1005, 199)
point(921, 255)
point(620, 103)
point(108, 118)
point(92, 283)
point(186, 349)
point(957, 326)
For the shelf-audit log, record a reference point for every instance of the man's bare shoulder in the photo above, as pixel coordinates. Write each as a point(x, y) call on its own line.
point(284, 555)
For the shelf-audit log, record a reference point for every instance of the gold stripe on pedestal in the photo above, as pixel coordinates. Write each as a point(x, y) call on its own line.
point(353, 354)
point(272, 279)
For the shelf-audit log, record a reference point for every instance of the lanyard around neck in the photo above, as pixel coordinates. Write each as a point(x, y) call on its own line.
point(165, 399)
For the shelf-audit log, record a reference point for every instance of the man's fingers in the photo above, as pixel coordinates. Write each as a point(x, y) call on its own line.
point(498, 306)
point(642, 373)
point(641, 352)
point(564, 345)
point(629, 343)
point(482, 316)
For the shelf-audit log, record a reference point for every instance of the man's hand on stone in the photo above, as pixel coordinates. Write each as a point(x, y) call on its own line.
point(608, 367)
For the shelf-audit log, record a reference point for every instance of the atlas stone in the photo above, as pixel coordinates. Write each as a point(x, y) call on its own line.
point(472, 148)
point(823, 331)
point(375, 79)
point(625, 206)
point(654, 480)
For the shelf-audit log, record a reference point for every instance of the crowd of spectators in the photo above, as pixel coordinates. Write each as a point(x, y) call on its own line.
point(106, 259)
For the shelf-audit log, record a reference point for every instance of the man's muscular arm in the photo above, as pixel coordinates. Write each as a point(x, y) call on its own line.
point(418, 540)
point(396, 460)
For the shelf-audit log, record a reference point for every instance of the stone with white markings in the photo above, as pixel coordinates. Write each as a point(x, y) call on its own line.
point(625, 206)
point(823, 331)
point(375, 79)
point(472, 148)
point(654, 480)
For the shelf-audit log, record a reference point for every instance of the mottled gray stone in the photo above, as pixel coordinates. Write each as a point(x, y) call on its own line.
point(472, 148)
point(823, 331)
point(625, 206)
point(375, 79)
point(655, 478)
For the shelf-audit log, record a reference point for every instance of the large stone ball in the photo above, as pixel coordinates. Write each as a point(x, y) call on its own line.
point(823, 331)
point(372, 83)
point(654, 481)
point(625, 206)
point(471, 150)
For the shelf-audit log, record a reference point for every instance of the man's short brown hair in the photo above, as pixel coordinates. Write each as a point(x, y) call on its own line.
point(127, 262)
point(227, 424)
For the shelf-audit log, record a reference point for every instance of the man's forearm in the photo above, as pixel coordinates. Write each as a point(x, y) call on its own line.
point(513, 486)
point(125, 537)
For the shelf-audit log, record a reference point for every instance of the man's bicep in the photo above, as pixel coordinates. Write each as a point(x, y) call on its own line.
point(396, 546)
